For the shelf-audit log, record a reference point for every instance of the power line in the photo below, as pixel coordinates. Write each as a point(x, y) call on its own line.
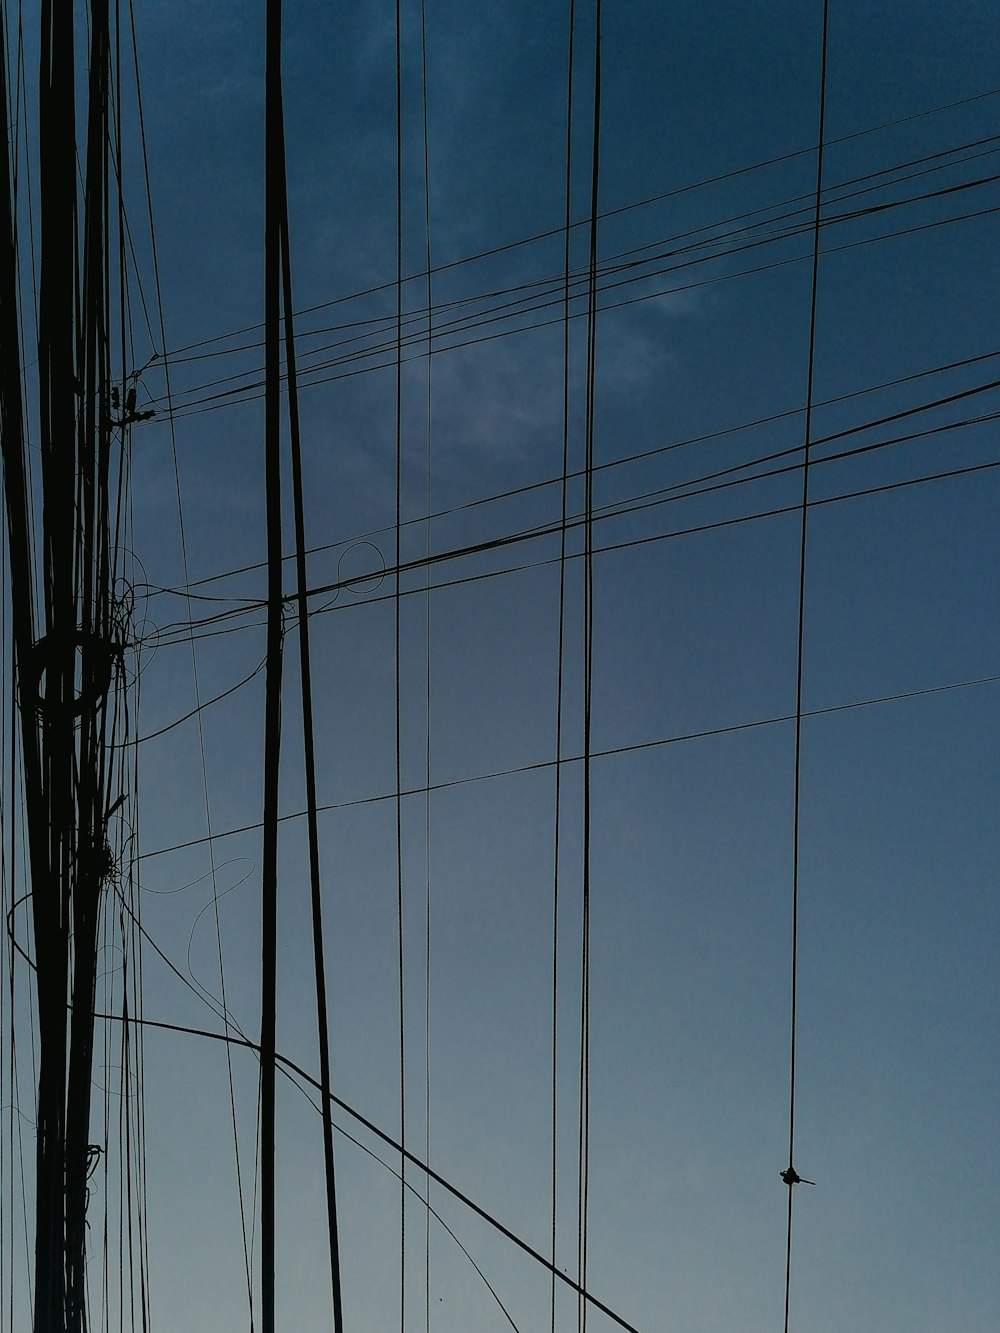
point(539, 304)
point(790, 1175)
point(685, 490)
point(717, 179)
point(627, 260)
point(643, 455)
point(309, 756)
point(423, 1167)
point(611, 752)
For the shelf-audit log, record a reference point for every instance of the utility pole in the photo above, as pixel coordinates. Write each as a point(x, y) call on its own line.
point(66, 655)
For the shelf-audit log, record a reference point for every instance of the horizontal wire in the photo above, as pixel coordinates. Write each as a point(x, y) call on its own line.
point(556, 282)
point(544, 764)
point(631, 543)
point(220, 402)
point(609, 213)
point(177, 632)
point(554, 297)
point(361, 538)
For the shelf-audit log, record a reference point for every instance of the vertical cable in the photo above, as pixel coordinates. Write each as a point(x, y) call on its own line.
point(399, 743)
point(272, 705)
point(560, 646)
point(588, 574)
point(168, 393)
point(309, 747)
point(791, 1176)
point(429, 497)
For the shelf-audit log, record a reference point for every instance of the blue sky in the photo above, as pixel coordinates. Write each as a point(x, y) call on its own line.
point(695, 625)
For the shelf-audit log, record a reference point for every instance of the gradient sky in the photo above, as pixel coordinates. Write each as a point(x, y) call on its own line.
point(691, 839)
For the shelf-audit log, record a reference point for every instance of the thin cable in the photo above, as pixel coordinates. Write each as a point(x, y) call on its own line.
point(659, 450)
point(560, 649)
point(661, 498)
point(608, 753)
point(396, 1147)
point(182, 531)
point(588, 670)
point(658, 499)
point(614, 212)
point(791, 1175)
point(398, 702)
point(429, 495)
point(548, 296)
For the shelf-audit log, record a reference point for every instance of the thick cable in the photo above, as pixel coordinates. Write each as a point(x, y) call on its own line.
point(309, 748)
point(396, 1147)
point(274, 175)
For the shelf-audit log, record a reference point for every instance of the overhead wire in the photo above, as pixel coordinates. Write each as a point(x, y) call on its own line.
point(289, 1074)
point(557, 794)
point(677, 191)
point(789, 1175)
point(303, 620)
point(423, 1167)
point(550, 297)
point(542, 765)
point(415, 317)
point(182, 533)
point(397, 648)
point(691, 530)
point(227, 399)
point(599, 467)
point(428, 546)
point(691, 488)
point(694, 529)
point(739, 238)
point(583, 1200)
point(309, 745)
point(274, 174)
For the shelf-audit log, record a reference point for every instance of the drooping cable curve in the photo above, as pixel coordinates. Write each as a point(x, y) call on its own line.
point(423, 1167)
point(286, 1069)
